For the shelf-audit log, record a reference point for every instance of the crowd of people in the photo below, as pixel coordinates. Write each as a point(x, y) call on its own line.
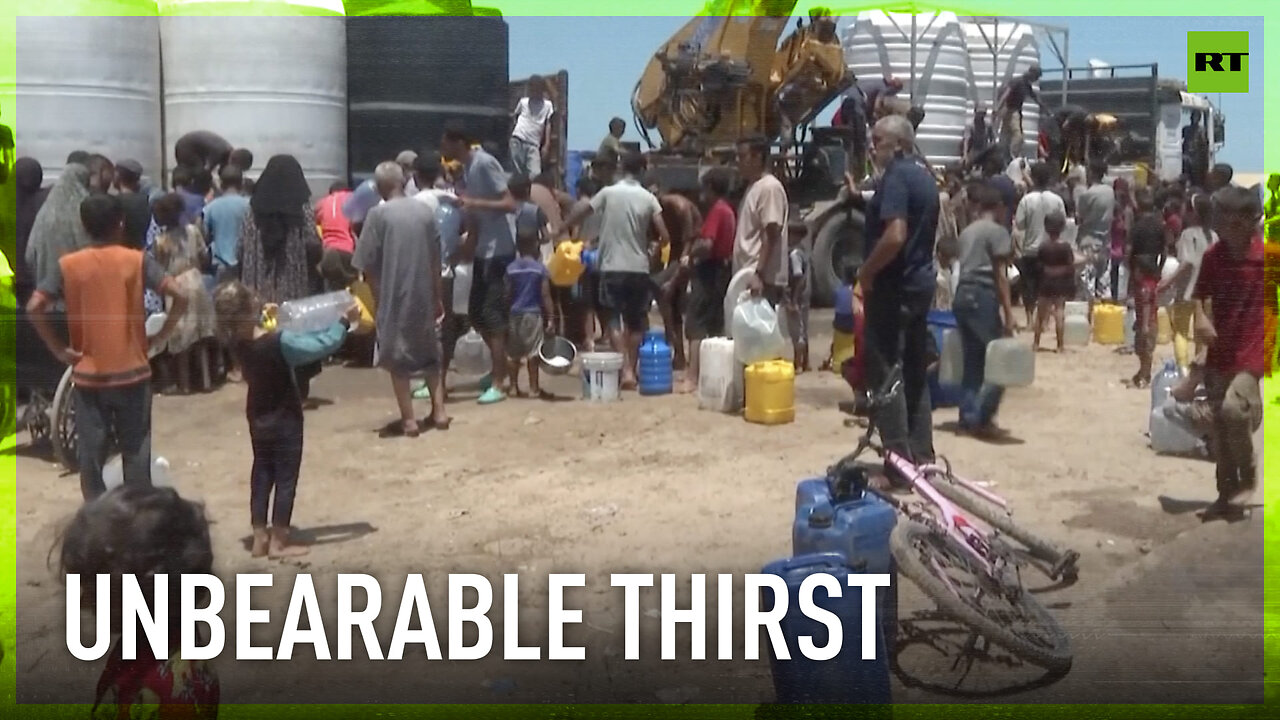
point(215, 254)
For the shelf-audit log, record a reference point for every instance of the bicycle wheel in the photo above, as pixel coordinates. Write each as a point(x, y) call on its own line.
point(1062, 562)
point(945, 571)
point(63, 421)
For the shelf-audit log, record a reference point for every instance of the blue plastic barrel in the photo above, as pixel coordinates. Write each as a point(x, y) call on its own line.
point(846, 678)
point(655, 364)
point(572, 171)
point(856, 528)
point(942, 396)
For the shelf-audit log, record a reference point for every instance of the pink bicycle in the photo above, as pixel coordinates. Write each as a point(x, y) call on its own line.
point(973, 576)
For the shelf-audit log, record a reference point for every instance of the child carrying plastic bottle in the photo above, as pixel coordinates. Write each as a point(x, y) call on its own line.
point(274, 406)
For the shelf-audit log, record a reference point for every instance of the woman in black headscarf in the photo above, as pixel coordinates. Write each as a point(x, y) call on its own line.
point(278, 238)
point(28, 175)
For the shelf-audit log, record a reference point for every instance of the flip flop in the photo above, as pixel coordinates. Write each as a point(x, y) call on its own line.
point(491, 396)
point(422, 393)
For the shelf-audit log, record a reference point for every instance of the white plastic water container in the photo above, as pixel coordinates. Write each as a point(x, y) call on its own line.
point(1166, 273)
point(113, 472)
point(462, 274)
point(471, 355)
point(1076, 308)
point(1171, 434)
point(737, 286)
point(720, 376)
point(601, 376)
point(1076, 331)
point(316, 312)
point(155, 323)
point(1010, 363)
point(1164, 382)
point(951, 361)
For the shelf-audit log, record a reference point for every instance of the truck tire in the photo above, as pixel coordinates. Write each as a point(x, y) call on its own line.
point(837, 244)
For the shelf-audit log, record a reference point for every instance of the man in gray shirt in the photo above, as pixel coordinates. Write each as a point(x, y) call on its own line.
point(628, 212)
point(982, 297)
point(1094, 211)
point(490, 240)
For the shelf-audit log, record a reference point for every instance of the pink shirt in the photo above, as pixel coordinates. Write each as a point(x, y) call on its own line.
point(335, 229)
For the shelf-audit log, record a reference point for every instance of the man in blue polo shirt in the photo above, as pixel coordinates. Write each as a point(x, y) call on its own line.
point(898, 279)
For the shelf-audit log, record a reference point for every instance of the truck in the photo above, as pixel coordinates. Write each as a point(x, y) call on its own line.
point(1151, 113)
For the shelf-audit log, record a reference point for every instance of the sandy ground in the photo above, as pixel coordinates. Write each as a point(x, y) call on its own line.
point(1166, 608)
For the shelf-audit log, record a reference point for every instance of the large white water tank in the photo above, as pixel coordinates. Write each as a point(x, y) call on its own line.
point(880, 43)
point(89, 83)
point(274, 85)
point(998, 52)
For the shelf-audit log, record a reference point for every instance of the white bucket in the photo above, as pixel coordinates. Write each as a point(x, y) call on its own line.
point(601, 376)
point(1075, 308)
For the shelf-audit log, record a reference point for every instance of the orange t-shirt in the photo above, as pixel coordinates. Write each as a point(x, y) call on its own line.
point(102, 286)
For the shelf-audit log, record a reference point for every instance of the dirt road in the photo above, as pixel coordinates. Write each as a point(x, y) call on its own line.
point(654, 485)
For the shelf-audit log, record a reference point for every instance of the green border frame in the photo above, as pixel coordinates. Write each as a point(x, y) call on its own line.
point(9, 9)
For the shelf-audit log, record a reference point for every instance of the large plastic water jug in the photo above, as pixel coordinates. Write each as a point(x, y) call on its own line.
point(1010, 363)
point(738, 284)
point(842, 349)
point(449, 220)
point(654, 363)
point(565, 264)
point(858, 528)
point(316, 312)
point(1164, 328)
point(1171, 433)
point(759, 331)
point(719, 376)
point(462, 275)
point(1164, 382)
point(601, 376)
point(363, 199)
point(1077, 307)
point(846, 678)
point(770, 389)
point(942, 394)
point(1166, 273)
point(1076, 330)
point(113, 472)
point(951, 360)
point(471, 355)
point(1108, 325)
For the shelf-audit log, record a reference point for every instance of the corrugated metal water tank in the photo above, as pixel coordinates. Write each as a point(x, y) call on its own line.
point(274, 85)
point(89, 83)
point(880, 43)
point(998, 52)
point(407, 76)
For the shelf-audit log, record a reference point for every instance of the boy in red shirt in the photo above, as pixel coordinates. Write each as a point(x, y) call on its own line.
point(1231, 281)
point(102, 285)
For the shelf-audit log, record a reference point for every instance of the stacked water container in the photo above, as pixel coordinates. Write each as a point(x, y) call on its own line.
point(927, 52)
point(839, 533)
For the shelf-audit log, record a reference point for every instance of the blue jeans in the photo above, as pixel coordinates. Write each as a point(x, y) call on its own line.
point(978, 317)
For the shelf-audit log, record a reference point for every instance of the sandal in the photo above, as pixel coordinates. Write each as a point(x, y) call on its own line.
point(491, 396)
point(422, 393)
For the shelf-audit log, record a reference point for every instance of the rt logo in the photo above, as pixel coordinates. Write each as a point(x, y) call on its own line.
point(1218, 62)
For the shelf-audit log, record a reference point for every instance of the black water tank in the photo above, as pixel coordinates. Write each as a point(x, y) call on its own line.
point(408, 76)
